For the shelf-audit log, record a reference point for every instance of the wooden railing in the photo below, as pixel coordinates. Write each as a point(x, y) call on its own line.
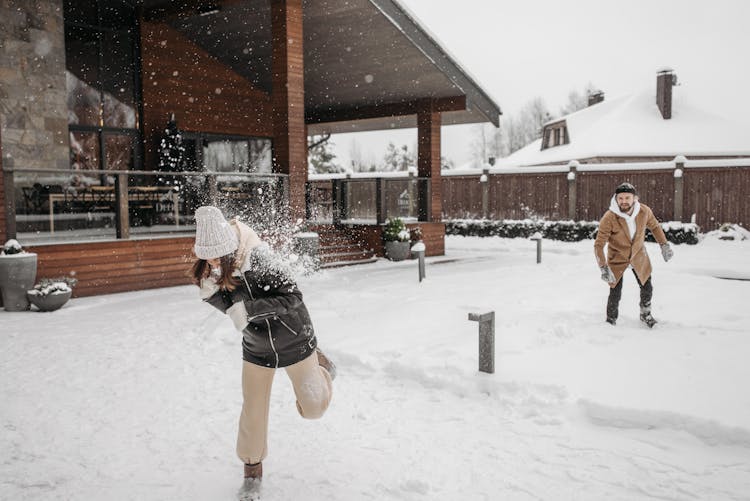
point(39, 200)
point(370, 199)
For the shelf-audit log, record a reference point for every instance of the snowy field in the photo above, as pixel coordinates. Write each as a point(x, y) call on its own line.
point(136, 396)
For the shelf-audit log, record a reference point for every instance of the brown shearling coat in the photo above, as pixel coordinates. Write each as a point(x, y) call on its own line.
point(621, 252)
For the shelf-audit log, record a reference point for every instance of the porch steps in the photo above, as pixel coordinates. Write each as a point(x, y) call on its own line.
point(339, 248)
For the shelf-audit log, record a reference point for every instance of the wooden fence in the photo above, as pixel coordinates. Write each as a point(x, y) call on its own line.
point(710, 191)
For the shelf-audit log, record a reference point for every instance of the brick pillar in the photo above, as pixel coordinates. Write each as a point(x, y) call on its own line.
point(428, 165)
point(288, 98)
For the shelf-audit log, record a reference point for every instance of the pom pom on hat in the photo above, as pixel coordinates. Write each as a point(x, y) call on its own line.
point(214, 237)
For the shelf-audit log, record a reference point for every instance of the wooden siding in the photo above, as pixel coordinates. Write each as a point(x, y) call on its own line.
point(595, 190)
point(510, 196)
point(518, 196)
point(205, 95)
point(717, 199)
point(715, 195)
point(462, 197)
point(118, 266)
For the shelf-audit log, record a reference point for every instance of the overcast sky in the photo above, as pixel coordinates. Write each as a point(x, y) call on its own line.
point(518, 50)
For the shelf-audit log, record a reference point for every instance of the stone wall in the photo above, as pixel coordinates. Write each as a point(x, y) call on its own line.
point(33, 109)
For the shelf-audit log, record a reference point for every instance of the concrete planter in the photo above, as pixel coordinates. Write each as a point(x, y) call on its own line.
point(50, 302)
point(397, 251)
point(17, 275)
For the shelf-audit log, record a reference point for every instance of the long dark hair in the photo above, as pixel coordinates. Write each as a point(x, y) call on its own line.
point(201, 269)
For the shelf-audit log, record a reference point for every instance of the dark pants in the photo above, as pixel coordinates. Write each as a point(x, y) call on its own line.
point(615, 293)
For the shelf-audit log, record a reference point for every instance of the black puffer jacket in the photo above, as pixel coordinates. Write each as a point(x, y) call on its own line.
point(279, 330)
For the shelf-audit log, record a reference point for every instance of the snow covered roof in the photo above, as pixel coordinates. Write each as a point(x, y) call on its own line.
point(632, 126)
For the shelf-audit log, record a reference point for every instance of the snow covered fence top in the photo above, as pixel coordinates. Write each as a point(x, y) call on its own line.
point(546, 169)
point(617, 166)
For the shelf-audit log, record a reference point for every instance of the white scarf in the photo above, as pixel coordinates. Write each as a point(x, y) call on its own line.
point(629, 218)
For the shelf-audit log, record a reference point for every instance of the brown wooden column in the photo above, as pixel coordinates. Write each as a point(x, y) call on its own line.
point(288, 98)
point(428, 164)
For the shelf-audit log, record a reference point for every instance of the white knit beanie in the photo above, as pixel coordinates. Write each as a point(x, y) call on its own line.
point(213, 236)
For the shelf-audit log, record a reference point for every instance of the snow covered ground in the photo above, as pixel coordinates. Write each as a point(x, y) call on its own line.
point(136, 396)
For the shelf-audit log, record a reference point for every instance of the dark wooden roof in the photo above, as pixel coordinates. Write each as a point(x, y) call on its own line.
point(369, 65)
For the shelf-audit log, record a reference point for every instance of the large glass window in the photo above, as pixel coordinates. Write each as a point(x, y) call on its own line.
point(102, 83)
point(220, 153)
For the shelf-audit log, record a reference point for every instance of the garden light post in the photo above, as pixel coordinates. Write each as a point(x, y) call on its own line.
point(486, 340)
point(418, 249)
point(538, 237)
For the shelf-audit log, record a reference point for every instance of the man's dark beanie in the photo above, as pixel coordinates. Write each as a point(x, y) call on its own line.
point(625, 188)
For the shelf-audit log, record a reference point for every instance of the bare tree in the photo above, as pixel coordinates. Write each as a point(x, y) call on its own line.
point(578, 100)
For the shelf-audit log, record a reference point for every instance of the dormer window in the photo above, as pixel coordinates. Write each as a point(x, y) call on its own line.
point(555, 134)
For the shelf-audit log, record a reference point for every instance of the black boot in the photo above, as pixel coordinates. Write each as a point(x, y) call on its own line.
point(611, 320)
point(647, 318)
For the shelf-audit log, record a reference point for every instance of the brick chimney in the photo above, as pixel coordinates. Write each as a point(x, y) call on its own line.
point(595, 97)
point(665, 80)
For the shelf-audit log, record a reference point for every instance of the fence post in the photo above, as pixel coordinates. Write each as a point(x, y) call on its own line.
point(484, 180)
point(122, 222)
point(10, 204)
point(486, 340)
point(336, 195)
point(679, 192)
point(380, 208)
point(572, 191)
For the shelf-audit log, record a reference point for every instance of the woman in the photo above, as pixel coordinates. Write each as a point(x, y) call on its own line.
point(238, 274)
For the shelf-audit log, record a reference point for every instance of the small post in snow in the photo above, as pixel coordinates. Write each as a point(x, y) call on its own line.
point(486, 340)
point(418, 249)
point(538, 237)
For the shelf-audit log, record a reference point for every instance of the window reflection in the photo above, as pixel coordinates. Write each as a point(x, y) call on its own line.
point(236, 154)
point(101, 76)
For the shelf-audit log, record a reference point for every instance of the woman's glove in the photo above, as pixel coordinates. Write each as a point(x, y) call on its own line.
point(607, 274)
point(238, 313)
point(666, 251)
point(208, 287)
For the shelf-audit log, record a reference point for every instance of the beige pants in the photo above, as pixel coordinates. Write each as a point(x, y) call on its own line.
point(312, 387)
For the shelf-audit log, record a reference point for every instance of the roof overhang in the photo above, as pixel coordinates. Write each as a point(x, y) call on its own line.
point(369, 65)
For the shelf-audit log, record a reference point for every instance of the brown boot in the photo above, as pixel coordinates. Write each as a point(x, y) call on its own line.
point(251, 486)
point(254, 470)
point(326, 363)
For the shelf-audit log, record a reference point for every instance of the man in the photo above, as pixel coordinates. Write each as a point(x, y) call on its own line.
point(623, 230)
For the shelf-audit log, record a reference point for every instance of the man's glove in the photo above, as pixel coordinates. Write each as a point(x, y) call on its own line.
point(208, 288)
point(666, 251)
point(607, 274)
point(238, 313)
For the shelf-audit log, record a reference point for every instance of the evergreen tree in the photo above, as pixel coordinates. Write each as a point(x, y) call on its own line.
point(398, 158)
point(171, 153)
point(320, 157)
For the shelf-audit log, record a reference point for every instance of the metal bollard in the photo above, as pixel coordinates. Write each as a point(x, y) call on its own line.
point(538, 237)
point(486, 340)
point(419, 249)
